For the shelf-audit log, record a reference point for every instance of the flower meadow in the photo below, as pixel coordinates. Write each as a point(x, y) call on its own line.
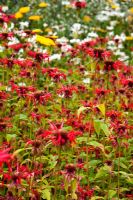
point(66, 101)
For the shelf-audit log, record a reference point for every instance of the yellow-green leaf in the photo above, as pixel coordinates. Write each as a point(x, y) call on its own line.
point(101, 107)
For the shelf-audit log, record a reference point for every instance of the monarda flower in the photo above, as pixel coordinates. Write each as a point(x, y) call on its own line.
point(38, 56)
point(79, 4)
point(101, 91)
point(113, 114)
point(67, 91)
point(54, 73)
point(5, 157)
point(85, 192)
point(5, 36)
point(109, 65)
point(6, 18)
point(69, 172)
point(101, 54)
point(127, 82)
point(59, 136)
point(41, 97)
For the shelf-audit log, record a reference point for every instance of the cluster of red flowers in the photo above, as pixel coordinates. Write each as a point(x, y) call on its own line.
point(63, 122)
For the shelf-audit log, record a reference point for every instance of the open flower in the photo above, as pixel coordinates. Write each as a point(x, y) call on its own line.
point(35, 17)
point(24, 10)
point(43, 5)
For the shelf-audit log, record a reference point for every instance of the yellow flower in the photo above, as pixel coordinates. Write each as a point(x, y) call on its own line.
point(45, 41)
point(86, 18)
point(131, 10)
point(53, 36)
point(48, 29)
point(24, 9)
point(43, 5)
point(37, 31)
point(18, 15)
point(114, 6)
point(35, 17)
point(129, 38)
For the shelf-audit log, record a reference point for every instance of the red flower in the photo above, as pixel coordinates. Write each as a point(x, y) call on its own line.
point(79, 4)
point(85, 192)
point(5, 156)
point(38, 56)
point(4, 36)
point(54, 73)
point(113, 114)
point(67, 91)
point(101, 91)
point(69, 172)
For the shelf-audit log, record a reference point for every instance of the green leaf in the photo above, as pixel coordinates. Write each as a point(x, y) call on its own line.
point(103, 172)
point(93, 163)
point(20, 150)
point(111, 193)
point(97, 126)
point(96, 144)
point(74, 185)
point(9, 137)
point(46, 194)
point(100, 125)
point(101, 107)
point(97, 197)
point(105, 129)
point(23, 117)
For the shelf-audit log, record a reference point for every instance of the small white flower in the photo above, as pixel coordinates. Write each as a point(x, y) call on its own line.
point(86, 80)
point(62, 40)
point(4, 8)
point(21, 84)
point(93, 35)
point(65, 3)
point(8, 89)
point(75, 41)
point(110, 28)
point(55, 57)
point(86, 73)
point(101, 72)
point(76, 27)
point(23, 24)
point(2, 48)
point(13, 40)
point(76, 61)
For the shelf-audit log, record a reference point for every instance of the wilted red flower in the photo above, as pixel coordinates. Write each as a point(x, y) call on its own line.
point(69, 172)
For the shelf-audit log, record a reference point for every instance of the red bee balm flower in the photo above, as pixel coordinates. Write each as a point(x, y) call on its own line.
point(5, 156)
point(79, 4)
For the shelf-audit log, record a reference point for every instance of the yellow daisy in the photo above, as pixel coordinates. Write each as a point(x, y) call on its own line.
point(45, 41)
point(24, 9)
point(35, 17)
point(43, 5)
